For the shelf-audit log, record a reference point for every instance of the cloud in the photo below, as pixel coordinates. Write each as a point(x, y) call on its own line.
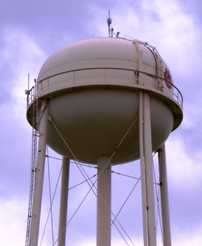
point(12, 223)
point(188, 238)
point(21, 56)
point(184, 165)
point(184, 179)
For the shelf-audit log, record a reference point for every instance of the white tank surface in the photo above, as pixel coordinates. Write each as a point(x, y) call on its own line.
point(92, 87)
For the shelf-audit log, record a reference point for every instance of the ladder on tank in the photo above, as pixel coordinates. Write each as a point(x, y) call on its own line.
point(35, 135)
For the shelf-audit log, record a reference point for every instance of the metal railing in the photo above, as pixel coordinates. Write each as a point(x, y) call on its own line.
point(172, 93)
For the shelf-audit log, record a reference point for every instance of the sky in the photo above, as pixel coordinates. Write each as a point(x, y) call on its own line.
point(30, 31)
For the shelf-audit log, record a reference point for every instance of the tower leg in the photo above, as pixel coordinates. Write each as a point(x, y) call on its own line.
point(146, 162)
point(38, 189)
point(63, 202)
point(164, 196)
point(104, 202)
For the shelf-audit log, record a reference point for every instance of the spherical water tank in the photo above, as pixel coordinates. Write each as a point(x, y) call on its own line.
point(92, 87)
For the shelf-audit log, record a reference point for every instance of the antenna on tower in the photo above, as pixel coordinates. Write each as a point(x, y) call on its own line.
point(109, 21)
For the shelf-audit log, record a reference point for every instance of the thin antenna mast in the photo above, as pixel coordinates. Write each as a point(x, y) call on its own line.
point(27, 92)
point(109, 21)
point(28, 81)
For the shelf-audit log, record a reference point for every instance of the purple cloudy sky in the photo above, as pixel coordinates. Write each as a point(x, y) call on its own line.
point(30, 31)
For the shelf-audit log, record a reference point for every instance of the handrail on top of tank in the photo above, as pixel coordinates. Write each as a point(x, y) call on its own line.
point(177, 96)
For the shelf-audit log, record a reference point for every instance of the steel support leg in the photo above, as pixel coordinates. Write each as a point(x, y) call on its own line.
point(146, 162)
point(104, 202)
point(36, 212)
point(164, 196)
point(63, 202)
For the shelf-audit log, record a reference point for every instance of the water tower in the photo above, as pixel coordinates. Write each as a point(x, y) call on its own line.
point(104, 101)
